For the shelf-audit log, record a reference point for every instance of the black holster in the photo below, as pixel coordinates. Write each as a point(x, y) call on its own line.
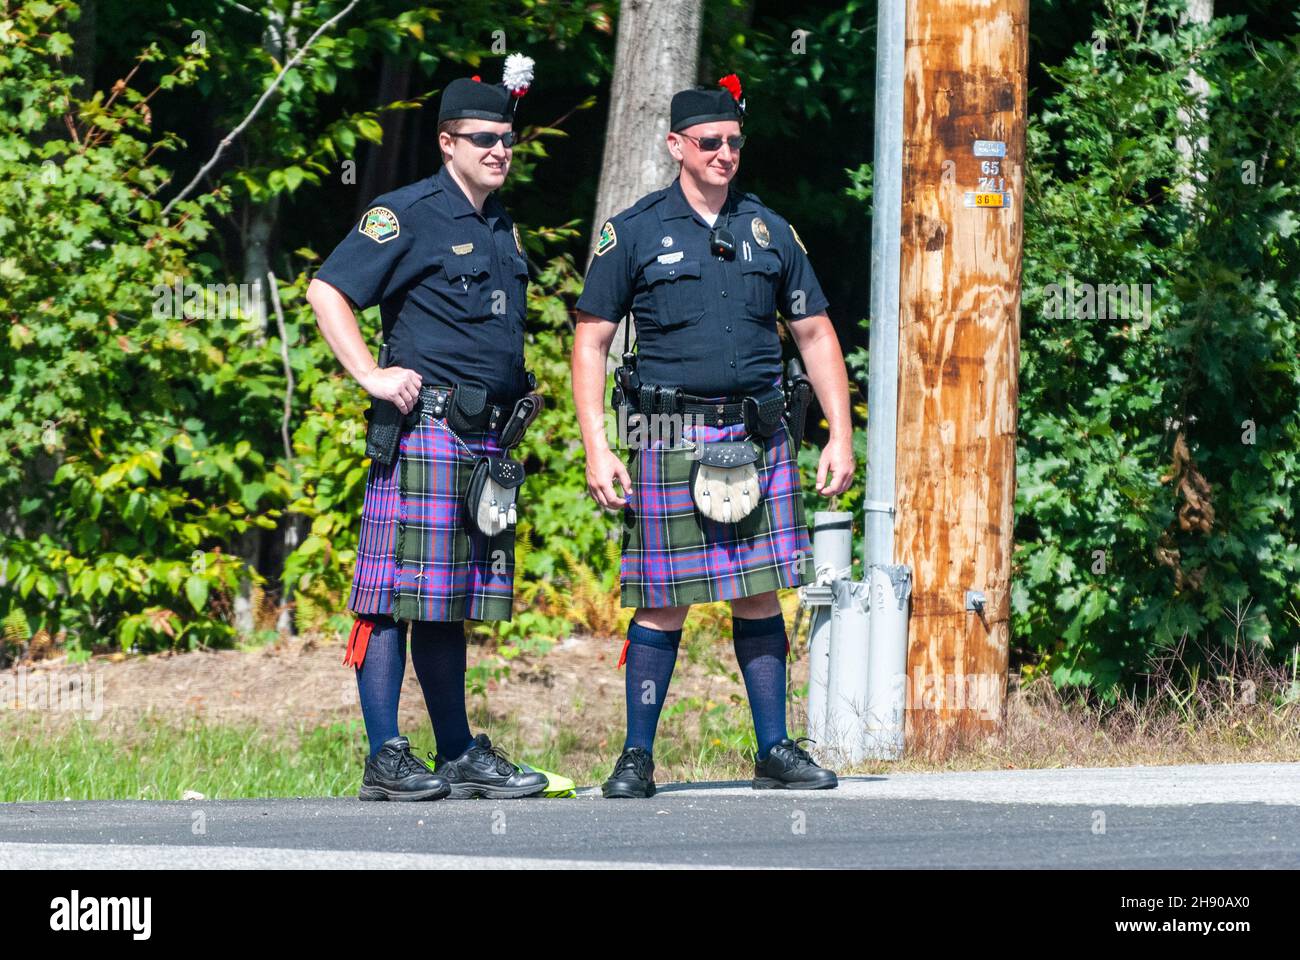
point(384, 432)
point(798, 397)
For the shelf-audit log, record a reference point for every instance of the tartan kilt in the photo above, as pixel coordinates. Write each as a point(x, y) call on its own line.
point(419, 557)
point(674, 556)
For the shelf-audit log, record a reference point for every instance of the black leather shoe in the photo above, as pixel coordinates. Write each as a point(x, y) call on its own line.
point(789, 767)
point(484, 771)
point(394, 773)
point(633, 776)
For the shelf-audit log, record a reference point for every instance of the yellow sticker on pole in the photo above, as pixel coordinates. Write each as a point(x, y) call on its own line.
point(980, 199)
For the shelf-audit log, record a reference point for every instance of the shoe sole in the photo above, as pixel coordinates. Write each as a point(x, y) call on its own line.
point(471, 791)
point(627, 793)
point(383, 793)
point(767, 783)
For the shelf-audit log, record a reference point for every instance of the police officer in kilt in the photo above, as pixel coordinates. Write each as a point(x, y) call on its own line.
point(711, 500)
point(442, 259)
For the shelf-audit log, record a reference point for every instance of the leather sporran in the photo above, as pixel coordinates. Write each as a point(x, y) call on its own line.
point(490, 501)
point(724, 480)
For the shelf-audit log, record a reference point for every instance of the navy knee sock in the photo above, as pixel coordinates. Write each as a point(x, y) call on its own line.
point(651, 655)
point(379, 680)
point(438, 653)
point(760, 650)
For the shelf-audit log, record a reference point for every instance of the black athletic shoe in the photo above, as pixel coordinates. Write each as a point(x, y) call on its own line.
point(394, 773)
point(789, 767)
point(484, 771)
point(633, 776)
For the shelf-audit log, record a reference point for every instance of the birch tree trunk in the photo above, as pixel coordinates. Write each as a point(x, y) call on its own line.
point(1198, 11)
point(656, 55)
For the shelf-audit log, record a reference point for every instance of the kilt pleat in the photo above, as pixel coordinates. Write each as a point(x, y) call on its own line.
point(418, 557)
point(675, 556)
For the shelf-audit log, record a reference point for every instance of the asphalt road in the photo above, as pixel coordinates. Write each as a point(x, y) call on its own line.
point(1241, 816)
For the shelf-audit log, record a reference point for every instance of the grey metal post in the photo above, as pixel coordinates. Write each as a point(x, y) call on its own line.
point(891, 588)
point(832, 559)
point(846, 693)
point(886, 222)
point(857, 642)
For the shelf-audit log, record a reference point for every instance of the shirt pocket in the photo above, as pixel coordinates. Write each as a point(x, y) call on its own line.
point(677, 293)
point(466, 281)
point(762, 275)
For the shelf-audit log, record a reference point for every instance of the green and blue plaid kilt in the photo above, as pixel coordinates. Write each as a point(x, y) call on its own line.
point(674, 556)
point(419, 557)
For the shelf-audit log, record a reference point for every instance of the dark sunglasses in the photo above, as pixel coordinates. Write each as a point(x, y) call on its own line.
point(709, 144)
point(487, 140)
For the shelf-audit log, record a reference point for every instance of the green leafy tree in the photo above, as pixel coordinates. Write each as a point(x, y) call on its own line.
point(1157, 465)
point(116, 495)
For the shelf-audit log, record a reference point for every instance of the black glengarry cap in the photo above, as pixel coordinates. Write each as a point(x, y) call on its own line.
point(706, 105)
point(471, 99)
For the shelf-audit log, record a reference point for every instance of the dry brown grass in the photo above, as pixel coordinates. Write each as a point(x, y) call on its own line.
point(1195, 706)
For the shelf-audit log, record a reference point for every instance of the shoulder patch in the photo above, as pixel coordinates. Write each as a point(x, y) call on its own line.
point(380, 225)
point(608, 239)
point(795, 234)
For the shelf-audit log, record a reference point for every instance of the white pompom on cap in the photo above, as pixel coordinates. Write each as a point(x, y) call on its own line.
point(517, 76)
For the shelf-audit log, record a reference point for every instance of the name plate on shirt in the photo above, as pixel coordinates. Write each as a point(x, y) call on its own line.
point(671, 257)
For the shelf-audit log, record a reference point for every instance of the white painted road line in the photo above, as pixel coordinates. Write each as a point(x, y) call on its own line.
point(103, 856)
point(1092, 786)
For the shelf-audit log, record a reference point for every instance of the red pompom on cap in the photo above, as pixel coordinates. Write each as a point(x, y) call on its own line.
point(731, 83)
point(476, 78)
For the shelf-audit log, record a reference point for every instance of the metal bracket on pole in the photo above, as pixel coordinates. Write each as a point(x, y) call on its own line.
point(878, 506)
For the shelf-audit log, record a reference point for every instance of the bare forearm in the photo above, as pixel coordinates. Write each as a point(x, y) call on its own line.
point(824, 362)
point(590, 350)
point(338, 325)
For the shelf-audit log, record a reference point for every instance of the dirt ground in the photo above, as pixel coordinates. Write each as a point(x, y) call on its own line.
point(302, 683)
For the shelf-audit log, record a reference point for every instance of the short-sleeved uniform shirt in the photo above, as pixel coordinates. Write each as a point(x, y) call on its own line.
point(703, 323)
point(451, 284)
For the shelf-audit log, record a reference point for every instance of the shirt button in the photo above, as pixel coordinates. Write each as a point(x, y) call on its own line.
point(733, 363)
point(728, 329)
point(724, 293)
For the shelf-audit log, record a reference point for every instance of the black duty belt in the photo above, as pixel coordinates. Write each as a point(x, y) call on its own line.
point(716, 414)
point(761, 413)
point(474, 412)
point(665, 400)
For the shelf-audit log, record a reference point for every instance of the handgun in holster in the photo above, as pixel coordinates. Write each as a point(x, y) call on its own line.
point(385, 429)
point(625, 398)
point(627, 382)
point(798, 398)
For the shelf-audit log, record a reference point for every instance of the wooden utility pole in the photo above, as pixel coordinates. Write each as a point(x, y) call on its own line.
point(959, 354)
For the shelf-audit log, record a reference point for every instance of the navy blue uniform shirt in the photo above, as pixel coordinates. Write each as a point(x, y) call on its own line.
point(703, 323)
point(451, 284)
